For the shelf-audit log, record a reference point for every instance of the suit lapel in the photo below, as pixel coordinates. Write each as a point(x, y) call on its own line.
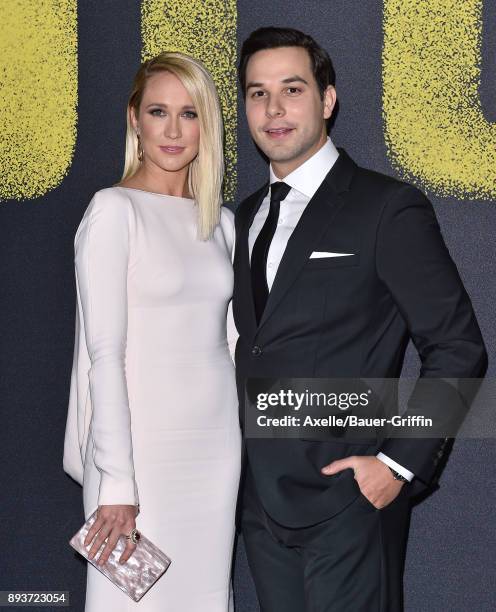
point(242, 275)
point(316, 218)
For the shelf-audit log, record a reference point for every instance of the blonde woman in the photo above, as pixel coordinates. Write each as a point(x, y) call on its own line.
point(152, 431)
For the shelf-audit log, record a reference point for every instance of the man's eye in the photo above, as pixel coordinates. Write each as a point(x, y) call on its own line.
point(293, 90)
point(257, 94)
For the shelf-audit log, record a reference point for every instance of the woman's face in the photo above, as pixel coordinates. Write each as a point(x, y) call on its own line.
point(167, 123)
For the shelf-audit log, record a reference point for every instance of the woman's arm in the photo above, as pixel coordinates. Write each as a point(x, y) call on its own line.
point(101, 258)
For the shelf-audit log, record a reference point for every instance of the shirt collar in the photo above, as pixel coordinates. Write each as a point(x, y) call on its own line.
point(307, 178)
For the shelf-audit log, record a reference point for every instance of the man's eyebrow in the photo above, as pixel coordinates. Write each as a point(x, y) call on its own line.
point(292, 79)
point(295, 78)
point(253, 84)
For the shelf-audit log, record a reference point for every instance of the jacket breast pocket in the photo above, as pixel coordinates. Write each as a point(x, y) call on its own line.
point(342, 261)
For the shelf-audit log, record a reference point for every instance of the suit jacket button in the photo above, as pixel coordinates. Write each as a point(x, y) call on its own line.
point(256, 351)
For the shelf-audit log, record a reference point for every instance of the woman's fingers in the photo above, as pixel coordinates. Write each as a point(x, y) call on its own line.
point(109, 547)
point(128, 551)
point(110, 524)
point(99, 540)
point(115, 534)
point(95, 528)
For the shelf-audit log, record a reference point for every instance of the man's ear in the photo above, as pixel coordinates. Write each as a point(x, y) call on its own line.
point(329, 101)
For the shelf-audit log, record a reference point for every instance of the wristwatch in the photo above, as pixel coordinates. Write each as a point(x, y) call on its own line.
point(398, 476)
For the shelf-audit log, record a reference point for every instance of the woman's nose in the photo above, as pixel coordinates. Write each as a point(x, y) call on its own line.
point(173, 128)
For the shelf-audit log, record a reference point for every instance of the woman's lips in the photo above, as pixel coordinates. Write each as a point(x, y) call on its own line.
point(172, 150)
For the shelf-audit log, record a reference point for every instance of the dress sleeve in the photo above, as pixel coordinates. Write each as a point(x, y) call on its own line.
point(227, 222)
point(101, 258)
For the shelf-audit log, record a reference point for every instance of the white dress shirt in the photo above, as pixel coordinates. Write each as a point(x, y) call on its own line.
point(304, 182)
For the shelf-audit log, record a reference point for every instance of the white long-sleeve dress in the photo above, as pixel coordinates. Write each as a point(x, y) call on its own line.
point(153, 411)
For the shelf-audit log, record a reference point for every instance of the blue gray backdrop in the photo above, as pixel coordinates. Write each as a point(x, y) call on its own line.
point(451, 561)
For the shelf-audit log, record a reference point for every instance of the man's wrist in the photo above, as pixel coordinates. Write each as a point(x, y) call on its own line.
point(395, 466)
point(397, 475)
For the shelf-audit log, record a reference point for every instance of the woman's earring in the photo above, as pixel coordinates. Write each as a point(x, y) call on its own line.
point(140, 149)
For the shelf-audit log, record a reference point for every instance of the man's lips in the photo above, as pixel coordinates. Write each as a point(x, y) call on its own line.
point(171, 149)
point(278, 133)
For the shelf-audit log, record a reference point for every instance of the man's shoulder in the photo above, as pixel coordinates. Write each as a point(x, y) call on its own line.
point(387, 196)
point(377, 191)
point(366, 183)
point(249, 199)
point(255, 194)
point(381, 182)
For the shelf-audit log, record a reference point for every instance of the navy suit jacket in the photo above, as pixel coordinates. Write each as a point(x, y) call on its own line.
point(353, 317)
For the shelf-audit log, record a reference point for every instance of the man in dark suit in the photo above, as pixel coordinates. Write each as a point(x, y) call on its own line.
point(336, 268)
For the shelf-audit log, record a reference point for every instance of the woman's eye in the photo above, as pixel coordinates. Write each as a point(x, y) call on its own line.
point(190, 115)
point(156, 112)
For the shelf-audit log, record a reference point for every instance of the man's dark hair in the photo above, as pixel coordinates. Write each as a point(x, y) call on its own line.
point(272, 38)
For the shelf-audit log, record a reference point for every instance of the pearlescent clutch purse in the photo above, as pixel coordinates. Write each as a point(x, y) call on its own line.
point(138, 574)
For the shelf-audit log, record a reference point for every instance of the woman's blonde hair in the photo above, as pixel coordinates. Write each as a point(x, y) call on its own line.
point(206, 171)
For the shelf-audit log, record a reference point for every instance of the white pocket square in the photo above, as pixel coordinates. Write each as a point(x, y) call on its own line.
point(320, 254)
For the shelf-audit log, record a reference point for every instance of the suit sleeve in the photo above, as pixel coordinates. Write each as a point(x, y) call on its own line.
point(101, 258)
point(414, 263)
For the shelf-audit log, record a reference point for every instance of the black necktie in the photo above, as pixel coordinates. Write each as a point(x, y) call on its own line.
point(278, 191)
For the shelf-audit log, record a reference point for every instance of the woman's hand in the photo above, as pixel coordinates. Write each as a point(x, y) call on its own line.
point(111, 522)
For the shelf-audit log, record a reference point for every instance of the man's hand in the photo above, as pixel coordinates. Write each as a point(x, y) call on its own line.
point(373, 476)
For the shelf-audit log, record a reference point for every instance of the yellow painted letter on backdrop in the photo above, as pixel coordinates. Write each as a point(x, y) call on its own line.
point(435, 129)
point(38, 95)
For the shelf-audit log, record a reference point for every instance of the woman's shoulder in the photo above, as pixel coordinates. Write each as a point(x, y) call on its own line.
point(112, 196)
point(110, 203)
point(227, 225)
point(110, 209)
point(227, 220)
point(227, 217)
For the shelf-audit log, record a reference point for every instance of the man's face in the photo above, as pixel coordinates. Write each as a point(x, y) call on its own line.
point(285, 112)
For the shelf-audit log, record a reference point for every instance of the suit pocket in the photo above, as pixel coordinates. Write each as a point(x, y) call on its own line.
point(368, 504)
point(344, 261)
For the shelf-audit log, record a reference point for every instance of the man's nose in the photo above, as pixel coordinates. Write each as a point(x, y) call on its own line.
point(274, 108)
